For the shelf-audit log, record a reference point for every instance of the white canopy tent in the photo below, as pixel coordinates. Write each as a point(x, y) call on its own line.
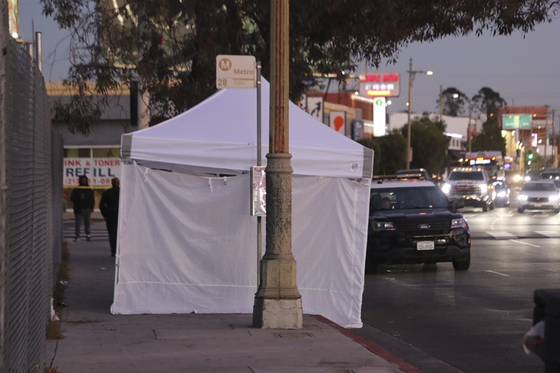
point(187, 242)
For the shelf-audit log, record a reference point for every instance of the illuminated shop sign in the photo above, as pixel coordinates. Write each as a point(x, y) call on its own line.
point(380, 85)
point(480, 161)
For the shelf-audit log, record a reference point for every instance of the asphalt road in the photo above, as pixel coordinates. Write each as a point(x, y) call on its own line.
point(473, 320)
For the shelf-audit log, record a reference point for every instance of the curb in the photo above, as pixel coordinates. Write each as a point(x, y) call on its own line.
point(369, 345)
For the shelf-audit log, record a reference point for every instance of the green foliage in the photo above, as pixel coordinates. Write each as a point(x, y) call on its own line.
point(390, 153)
point(490, 138)
point(537, 162)
point(170, 47)
point(429, 145)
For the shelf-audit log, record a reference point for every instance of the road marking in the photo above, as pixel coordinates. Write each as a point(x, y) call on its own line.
point(501, 235)
point(525, 243)
point(497, 273)
point(551, 234)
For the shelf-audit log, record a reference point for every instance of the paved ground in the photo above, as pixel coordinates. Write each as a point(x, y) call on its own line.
point(96, 341)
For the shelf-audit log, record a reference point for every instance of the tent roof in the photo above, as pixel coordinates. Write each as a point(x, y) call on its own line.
point(220, 133)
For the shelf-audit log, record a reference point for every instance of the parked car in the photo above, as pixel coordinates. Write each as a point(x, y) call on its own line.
point(472, 186)
point(538, 194)
point(502, 194)
point(533, 175)
point(414, 222)
point(553, 175)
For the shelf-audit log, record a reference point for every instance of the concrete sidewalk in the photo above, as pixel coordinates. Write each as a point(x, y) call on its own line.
point(96, 341)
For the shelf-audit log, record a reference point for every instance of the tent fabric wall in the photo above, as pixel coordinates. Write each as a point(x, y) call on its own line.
point(180, 250)
point(187, 241)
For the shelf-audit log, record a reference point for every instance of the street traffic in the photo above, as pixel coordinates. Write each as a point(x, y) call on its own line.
point(472, 320)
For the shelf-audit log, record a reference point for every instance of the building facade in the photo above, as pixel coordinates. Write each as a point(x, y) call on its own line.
point(96, 155)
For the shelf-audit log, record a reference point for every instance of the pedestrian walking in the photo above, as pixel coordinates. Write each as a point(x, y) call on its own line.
point(109, 206)
point(84, 203)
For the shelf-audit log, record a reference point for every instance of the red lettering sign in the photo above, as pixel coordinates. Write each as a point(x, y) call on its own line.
point(380, 77)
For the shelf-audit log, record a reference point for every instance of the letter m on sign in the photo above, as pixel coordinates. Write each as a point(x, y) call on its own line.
point(224, 64)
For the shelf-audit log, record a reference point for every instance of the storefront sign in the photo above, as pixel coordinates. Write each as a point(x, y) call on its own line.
point(380, 85)
point(357, 129)
point(99, 171)
point(337, 121)
point(379, 117)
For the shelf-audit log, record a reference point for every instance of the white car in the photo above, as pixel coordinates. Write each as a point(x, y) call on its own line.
point(539, 194)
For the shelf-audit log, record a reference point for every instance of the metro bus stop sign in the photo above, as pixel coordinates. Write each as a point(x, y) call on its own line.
point(235, 72)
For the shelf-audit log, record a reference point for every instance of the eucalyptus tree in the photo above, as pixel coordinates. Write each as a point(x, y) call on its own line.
point(489, 101)
point(453, 102)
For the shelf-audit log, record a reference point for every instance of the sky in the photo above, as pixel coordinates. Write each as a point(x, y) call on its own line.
point(523, 69)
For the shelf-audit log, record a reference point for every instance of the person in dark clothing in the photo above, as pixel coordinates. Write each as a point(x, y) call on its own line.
point(109, 206)
point(84, 203)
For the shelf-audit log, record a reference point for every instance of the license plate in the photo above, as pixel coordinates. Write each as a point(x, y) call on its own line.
point(538, 204)
point(425, 245)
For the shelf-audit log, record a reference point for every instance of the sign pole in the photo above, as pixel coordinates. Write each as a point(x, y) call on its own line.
point(259, 162)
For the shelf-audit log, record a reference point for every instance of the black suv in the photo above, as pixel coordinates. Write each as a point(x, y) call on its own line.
point(414, 222)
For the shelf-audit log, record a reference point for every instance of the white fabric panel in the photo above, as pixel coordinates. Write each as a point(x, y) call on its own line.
point(185, 244)
point(188, 244)
point(221, 131)
point(329, 235)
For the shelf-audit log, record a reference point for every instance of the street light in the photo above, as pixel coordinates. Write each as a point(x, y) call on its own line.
point(456, 96)
point(469, 124)
point(411, 75)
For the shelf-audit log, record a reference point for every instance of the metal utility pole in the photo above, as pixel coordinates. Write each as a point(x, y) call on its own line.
point(411, 75)
point(408, 149)
point(278, 301)
point(440, 103)
point(39, 50)
point(554, 143)
point(546, 136)
point(469, 125)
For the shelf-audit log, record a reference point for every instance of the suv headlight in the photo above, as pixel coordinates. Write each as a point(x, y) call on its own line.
point(522, 197)
point(383, 226)
point(483, 188)
point(458, 223)
point(553, 198)
point(446, 188)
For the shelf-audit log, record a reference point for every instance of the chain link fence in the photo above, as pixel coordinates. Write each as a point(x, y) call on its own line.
point(30, 208)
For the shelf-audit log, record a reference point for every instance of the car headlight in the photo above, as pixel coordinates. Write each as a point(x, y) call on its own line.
point(458, 223)
point(522, 197)
point(553, 198)
point(383, 226)
point(527, 178)
point(517, 178)
point(483, 188)
point(446, 188)
point(502, 194)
